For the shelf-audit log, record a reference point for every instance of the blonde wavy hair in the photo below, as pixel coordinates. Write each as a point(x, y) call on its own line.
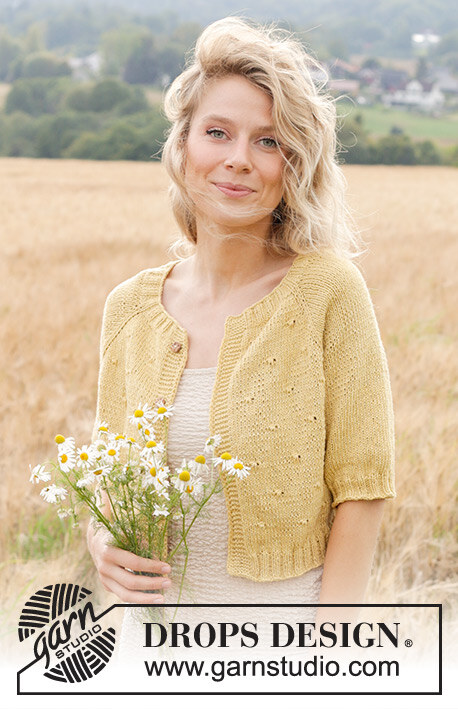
point(313, 213)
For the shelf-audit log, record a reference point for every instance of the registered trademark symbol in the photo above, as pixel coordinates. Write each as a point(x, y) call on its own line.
point(408, 642)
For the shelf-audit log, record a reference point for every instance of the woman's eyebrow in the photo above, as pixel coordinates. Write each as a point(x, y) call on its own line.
point(225, 119)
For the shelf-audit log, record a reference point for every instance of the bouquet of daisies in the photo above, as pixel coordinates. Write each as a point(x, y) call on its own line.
point(151, 508)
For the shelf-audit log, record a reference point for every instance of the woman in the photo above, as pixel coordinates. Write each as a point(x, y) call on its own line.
point(266, 328)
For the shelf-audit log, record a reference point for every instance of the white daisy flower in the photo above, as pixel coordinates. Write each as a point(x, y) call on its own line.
point(152, 452)
point(142, 415)
point(211, 443)
point(62, 513)
point(111, 454)
point(199, 465)
point(103, 428)
point(66, 459)
point(157, 476)
point(100, 468)
point(194, 487)
point(225, 460)
point(162, 412)
point(147, 432)
point(65, 444)
point(38, 474)
point(161, 511)
point(53, 493)
point(85, 457)
point(88, 479)
point(185, 478)
point(132, 443)
point(238, 469)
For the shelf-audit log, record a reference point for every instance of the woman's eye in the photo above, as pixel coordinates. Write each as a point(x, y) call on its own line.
point(215, 133)
point(269, 142)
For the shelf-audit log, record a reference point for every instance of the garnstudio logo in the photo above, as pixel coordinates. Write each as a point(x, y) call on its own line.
point(68, 634)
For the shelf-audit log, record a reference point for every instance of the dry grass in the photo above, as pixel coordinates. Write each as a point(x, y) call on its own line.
point(73, 230)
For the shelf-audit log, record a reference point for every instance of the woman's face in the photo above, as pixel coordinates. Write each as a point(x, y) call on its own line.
point(234, 164)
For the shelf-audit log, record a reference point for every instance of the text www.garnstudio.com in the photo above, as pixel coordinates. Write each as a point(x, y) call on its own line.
point(316, 666)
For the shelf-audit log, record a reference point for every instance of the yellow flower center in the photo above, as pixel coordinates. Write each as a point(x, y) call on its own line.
point(226, 456)
point(59, 438)
point(151, 444)
point(63, 458)
point(161, 410)
point(190, 488)
point(238, 466)
point(120, 437)
point(147, 432)
point(97, 472)
point(103, 428)
point(199, 459)
point(138, 413)
point(139, 426)
point(152, 472)
point(111, 451)
point(184, 476)
point(132, 440)
point(84, 456)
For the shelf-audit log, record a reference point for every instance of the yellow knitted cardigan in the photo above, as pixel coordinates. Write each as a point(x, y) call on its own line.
point(302, 395)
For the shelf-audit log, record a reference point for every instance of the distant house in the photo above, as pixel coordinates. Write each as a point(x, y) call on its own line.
point(342, 70)
point(446, 82)
point(84, 68)
point(349, 87)
point(425, 39)
point(393, 79)
point(415, 96)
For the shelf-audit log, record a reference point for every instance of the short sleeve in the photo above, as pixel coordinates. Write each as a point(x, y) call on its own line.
point(359, 454)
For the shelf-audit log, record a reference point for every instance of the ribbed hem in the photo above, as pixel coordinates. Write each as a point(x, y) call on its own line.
point(278, 564)
point(369, 489)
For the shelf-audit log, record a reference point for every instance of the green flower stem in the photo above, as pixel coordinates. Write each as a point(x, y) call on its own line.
point(183, 573)
point(113, 506)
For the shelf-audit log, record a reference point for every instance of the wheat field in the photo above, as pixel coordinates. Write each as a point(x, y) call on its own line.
point(72, 230)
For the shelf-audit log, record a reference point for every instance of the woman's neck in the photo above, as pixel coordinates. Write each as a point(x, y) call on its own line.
point(230, 260)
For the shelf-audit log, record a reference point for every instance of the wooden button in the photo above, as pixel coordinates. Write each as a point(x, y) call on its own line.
point(176, 346)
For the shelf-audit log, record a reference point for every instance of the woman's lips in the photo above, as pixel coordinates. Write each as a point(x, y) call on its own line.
point(233, 190)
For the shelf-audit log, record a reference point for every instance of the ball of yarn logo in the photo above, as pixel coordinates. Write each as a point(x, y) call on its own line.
point(94, 649)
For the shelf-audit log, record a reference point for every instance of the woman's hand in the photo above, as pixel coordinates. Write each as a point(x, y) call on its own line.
point(115, 567)
point(349, 556)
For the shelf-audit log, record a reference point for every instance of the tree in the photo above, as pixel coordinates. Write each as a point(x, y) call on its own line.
point(170, 62)
point(35, 38)
point(18, 135)
point(141, 66)
point(107, 94)
point(422, 69)
point(44, 64)
point(36, 96)
point(118, 44)
point(371, 63)
point(427, 153)
point(10, 50)
point(57, 133)
point(353, 140)
point(395, 150)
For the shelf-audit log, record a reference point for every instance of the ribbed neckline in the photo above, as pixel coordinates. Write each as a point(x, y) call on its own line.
point(251, 310)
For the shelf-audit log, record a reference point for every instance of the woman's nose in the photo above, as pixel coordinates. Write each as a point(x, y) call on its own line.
point(239, 157)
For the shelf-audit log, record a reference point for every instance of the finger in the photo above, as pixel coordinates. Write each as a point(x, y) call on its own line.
point(134, 597)
point(127, 560)
point(141, 583)
point(130, 580)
